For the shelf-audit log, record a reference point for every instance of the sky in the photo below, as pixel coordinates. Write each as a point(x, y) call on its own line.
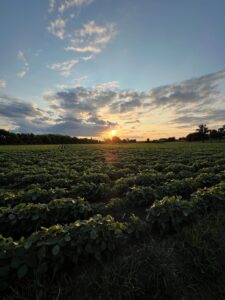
point(145, 68)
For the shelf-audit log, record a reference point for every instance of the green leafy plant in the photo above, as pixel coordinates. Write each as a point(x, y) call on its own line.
point(51, 249)
point(140, 196)
point(24, 219)
point(170, 214)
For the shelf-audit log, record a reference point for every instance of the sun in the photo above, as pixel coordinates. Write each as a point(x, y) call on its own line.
point(113, 132)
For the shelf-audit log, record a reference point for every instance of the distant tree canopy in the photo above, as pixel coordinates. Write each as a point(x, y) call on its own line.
point(118, 140)
point(203, 133)
point(10, 138)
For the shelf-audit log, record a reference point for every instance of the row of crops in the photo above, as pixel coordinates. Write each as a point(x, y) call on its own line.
point(65, 208)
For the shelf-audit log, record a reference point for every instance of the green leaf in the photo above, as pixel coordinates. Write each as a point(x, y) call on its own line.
point(22, 271)
point(28, 244)
point(93, 234)
point(35, 217)
point(185, 213)
point(55, 250)
point(11, 217)
point(67, 238)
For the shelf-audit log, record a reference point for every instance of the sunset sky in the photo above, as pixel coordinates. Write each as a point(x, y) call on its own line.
point(145, 68)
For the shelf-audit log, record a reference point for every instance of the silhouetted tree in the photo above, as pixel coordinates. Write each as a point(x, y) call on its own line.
point(116, 139)
point(214, 134)
point(203, 131)
point(192, 137)
point(171, 139)
point(221, 132)
point(10, 138)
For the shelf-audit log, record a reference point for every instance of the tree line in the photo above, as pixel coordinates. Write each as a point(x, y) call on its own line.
point(11, 138)
point(203, 133)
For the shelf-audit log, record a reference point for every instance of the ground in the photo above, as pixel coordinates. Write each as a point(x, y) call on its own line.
point(130, 221)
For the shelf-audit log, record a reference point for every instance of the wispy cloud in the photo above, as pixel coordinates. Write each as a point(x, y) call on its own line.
point(2, 84)
point(87, 58)
point(133, 122)
point(193, 101)
point(87, 41)
point(92, 38)
point(65, 68)
point(25, 67)
point(74, 83)
point(84, 49)
point(52, 4)
point(67, 4)
point(193, 91)
point(57, 28)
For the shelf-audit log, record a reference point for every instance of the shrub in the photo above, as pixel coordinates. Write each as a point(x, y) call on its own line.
point(51, 249)
point(24, 218)
point(140, 196)
point(170, 214)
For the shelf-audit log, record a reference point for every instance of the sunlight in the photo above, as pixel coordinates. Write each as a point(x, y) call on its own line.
point(113, 132)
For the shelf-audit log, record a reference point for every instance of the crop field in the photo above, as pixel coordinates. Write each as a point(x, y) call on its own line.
point(132, 221)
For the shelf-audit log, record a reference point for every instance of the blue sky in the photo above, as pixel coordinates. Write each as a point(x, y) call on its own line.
point(84, 67)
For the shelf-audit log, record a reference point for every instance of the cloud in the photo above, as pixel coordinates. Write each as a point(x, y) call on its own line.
point(189, 101)
point(84, 49)
point(111, 85)
point(16, 108)
point(2, 84)
point(190, 120)
point(92, 99)
point(22, 57)
point(25, 67)
point(52, 4)
point(21, 74)
point(79, 81)
point(83, 99)
point(193, 101)
point(92, 38)
point(22, 116)
point(89, 40)
point(79, 128)
point(91, 111)
point(125, 106)
point(67, 4)
point(86, 58)
point(57, 28)
point(132, 122)
point(94, 119)
point(191, 91)
point(65, 68)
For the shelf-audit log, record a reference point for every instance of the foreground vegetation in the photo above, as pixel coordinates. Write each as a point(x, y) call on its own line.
point(132, 221)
